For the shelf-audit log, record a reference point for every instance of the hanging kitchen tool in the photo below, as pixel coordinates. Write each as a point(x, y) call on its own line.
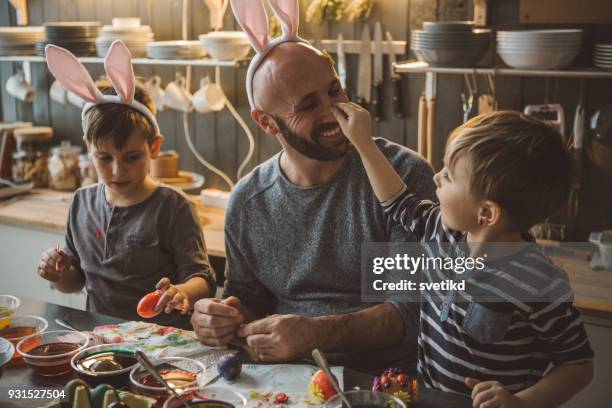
point(551, 113)
point(422, 126)
point(364, 72)
point(430, 94)
point(217, 10)
point(576, 149)
point(468, 102)
point(377, 86)
point(396, 84)
point(341, 61)
point(487, 102)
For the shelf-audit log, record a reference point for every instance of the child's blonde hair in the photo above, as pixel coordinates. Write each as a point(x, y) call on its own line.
point(516, 161)
point(117, 122)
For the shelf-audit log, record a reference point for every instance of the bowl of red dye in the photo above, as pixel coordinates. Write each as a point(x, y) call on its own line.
point(105, 364)
point(20, 328)
point(6, 353)
point(49, 353)
point(180, 373)
point(207, 397)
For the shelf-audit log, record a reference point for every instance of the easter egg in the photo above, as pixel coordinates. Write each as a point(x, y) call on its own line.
point(229, 367)
point(146, 306)
point(320, 387)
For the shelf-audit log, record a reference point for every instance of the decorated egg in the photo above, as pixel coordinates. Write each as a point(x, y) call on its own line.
point(397, 382)
point(320, 387)
point(229, 367)
point(146, 306)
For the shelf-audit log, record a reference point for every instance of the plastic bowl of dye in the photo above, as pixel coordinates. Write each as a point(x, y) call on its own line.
point(8, 304)
point(365, 399)
point(49, 353)
point(7, 350)
point(180, 373)
point(20, 328)
point(105, 364)
point(207, 397)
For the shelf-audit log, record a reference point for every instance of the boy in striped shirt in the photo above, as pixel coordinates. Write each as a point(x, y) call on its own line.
point(525, 346)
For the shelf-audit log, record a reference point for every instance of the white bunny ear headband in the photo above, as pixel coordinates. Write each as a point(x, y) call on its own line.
point(252, 17)
point(67, 69)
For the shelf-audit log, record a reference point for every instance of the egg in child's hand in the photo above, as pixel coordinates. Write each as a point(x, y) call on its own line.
point(146, 306)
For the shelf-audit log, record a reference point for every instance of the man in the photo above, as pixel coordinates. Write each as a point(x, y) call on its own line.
point(294, 229)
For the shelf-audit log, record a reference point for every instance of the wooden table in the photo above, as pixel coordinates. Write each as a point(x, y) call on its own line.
point(24, 378)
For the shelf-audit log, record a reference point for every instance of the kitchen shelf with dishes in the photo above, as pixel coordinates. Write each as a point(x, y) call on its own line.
point(419, 67)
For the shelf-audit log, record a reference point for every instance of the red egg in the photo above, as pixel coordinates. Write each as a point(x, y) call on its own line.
point(146, 306)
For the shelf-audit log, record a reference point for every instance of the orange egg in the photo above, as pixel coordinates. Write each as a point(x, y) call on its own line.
point(146, 306)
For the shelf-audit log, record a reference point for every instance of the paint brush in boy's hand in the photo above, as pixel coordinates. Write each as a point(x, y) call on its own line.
point(58, 262)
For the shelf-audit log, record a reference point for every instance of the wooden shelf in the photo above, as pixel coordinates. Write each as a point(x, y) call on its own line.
point(139, 61)
point(417, 67)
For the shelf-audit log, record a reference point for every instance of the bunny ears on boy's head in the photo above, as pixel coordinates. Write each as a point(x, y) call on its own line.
point(252, 17)
point(69, 71)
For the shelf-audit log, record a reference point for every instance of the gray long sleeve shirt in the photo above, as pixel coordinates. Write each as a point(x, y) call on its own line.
point(296, 250)
point(124, 251)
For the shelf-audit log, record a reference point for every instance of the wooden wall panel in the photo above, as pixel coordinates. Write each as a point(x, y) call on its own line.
point(218, 137)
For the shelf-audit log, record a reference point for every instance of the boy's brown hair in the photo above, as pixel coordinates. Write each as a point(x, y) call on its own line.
point(515, 160)
point(117, 122)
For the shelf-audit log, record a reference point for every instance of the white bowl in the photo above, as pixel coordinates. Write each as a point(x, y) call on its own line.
point(126, 22)
point(226, 47)
point(537, 59)
point(230, 36)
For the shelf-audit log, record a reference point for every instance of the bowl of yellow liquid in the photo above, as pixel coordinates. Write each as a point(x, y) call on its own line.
point(8, 304)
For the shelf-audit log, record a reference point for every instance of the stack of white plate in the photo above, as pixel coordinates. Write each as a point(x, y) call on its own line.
point(20, 40)
point(602, 58)
point(450, 43)
point(226, 45)
point(175, 50)
point(135, 38)
point(539, 49)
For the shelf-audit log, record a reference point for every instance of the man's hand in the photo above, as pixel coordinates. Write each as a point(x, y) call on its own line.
point(281, 337)
point(356, 123)
point(53, 264)
point(492, 394)
point(216, 321)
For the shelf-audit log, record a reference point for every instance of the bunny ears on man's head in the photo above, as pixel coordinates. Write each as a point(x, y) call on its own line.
point(69, 71)
point(252, 17)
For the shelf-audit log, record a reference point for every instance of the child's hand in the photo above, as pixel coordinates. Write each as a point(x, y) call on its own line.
point(173, 297)
point(53, 264)
point(356, 123)
point(492, 394)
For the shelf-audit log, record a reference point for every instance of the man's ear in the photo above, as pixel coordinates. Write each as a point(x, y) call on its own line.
point(156, 146)
point(265, 121)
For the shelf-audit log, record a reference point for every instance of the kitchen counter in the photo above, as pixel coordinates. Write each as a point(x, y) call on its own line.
point(23, 378)
point(48, 210)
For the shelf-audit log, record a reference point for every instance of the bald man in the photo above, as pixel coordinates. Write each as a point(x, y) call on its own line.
point(294, 229)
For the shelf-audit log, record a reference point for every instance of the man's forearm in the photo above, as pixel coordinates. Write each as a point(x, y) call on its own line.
point(377, 327)
point(558, 386)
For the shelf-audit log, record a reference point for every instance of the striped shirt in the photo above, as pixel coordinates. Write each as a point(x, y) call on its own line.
point(513, 339)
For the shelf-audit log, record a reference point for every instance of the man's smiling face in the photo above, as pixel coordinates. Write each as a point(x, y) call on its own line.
point(296, 86)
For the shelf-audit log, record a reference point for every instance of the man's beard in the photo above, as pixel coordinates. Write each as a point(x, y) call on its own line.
point(312, 149)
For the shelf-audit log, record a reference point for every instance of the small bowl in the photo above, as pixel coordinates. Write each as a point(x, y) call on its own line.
point(165, 366)
point(126, 22)
point(8, 304)
point(371, 399)
point(83, 364)
point(7, 350)
point(20, 328)
point(49, 353)
point(208, 397)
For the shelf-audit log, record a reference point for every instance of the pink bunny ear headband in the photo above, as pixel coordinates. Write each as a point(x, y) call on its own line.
point(252, 17)
point(67, 69)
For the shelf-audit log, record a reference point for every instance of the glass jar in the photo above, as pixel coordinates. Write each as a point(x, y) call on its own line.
point(88, 171)
point(64, 167)
point(31, 168)
point(31, 156)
